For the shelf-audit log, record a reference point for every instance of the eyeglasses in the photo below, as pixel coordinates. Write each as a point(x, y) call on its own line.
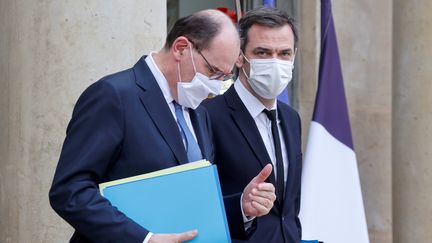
point(217, 73)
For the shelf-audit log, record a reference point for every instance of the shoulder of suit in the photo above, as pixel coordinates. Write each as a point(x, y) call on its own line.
point(283, 106)
point(121, 81)
point(118, 84)
point(213, 103)
point(120, 78)
point(200, 109)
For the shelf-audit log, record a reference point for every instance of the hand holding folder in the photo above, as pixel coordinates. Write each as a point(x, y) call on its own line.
point(166, 238)
point(172, 201)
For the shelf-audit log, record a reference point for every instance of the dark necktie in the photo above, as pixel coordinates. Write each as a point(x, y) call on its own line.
point(192, 149)
point(280, 184)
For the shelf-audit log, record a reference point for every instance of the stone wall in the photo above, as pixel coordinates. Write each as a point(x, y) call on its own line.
point(50, 52)
point(412, 121)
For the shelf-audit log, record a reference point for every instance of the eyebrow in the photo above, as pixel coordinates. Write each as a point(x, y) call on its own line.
point(261, 49)
point(289, 49)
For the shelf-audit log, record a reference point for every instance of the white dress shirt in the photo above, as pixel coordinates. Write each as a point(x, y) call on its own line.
point(255, 108)
point(163, 84)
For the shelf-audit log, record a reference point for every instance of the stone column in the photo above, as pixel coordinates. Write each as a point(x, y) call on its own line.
point(364, 30)
point(308, 57)
point(50, 52)
point(412, 121)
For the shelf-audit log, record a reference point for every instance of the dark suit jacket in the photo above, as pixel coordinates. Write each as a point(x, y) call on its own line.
point(241, 155)
point(121, 126)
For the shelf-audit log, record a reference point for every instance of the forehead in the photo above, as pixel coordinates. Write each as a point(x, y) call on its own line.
point(223, 51)
point(270, 37)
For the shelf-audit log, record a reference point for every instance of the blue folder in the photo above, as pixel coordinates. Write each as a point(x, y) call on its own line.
point(179, 199)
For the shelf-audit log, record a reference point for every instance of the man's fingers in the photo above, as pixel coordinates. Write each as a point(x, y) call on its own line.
point(185, 236)
point(264, 201)
point(257, 188)
point(269, 187)
point(261, 210)
point(264, 194)
point(173, 238)
point(264, 174)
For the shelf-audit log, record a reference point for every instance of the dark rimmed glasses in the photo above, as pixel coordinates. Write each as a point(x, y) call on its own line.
point(216, 72)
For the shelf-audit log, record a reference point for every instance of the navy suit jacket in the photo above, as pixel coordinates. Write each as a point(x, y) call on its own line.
point(241, 155)
point(121, 126)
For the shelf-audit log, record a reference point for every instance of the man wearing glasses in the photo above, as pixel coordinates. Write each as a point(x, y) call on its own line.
point(216, 73)
point(145, 119)
point(251, 128)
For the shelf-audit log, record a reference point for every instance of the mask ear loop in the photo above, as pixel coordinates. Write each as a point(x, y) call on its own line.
point(193, 63)
point(178, 71)
point(245, 57)
point(244, 72)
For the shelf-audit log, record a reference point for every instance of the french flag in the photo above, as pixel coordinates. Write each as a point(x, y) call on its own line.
point(331, 203)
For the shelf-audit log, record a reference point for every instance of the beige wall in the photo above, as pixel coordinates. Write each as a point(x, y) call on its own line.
point(50, 51)
point(364, 32)
point(412, 121)
point(365, 35)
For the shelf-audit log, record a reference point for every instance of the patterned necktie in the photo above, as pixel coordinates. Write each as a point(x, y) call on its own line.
point(192, 149)
point(280, 182)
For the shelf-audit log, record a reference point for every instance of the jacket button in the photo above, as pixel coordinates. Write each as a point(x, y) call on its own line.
point(283, 218)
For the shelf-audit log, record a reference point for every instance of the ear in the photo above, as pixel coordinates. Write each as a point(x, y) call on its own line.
point(240, 61)
point(178, 47)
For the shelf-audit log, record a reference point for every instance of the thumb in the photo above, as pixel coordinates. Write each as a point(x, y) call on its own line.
point(264, 174)
point(185, 236)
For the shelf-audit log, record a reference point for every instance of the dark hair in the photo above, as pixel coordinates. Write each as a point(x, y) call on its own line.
point(265, 16)
point(199, 28)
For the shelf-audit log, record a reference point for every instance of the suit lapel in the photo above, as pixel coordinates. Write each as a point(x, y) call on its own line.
point(248, 128)
point(154, 103)
point(289, 143)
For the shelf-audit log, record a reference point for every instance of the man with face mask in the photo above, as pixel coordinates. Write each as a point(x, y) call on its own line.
point(144, 119)
point(251, 128)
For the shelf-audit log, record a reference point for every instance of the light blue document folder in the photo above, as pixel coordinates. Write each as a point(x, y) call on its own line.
point(173, 201)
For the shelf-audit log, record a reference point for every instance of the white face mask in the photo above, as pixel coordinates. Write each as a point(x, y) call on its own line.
point(191, 94)
point(269, 77)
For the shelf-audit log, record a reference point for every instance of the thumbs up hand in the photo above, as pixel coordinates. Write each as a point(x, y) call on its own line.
point(259, 196)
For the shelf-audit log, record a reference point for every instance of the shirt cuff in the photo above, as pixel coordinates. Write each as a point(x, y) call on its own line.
point(147, 238)
point(246, 220)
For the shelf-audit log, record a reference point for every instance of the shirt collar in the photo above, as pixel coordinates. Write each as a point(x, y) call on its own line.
point(160, 78)
point(253, 105)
